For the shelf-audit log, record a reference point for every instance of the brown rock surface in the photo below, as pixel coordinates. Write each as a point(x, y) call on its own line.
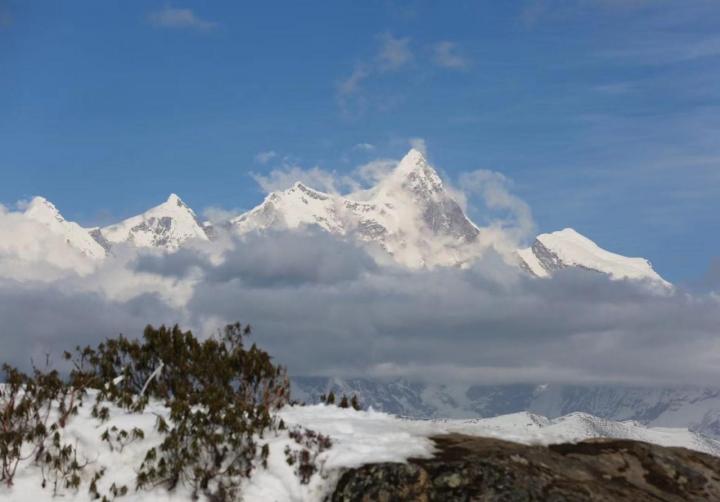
point(468, 468)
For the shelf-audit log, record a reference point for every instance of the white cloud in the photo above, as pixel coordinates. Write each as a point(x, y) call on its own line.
point(376, 170)
point(170, 17)
point(446, 54)
point(265, 157)
point(364, 147)
point(350, 316)
point(394, 56)
point(351, 84)
point(535, 11)
point(29, 251)
point(394, 52)
point(493, 187)
point(314, 177)
point(419, 145)
point(215, 214)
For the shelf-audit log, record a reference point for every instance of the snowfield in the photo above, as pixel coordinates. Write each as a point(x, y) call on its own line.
point(358, 437)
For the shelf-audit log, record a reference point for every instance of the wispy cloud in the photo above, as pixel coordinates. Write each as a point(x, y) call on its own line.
point(170, 17)
point(494, 188)
point(535, 11)
point(375, 170)
point(215, 214)
point(351, 84)
point(661, 50)
point(364, 147)
point(446, 55)
point(350, 316)
point(394, 52)
point(317, 178)
point(392, 55)
point(419, 145)
point(265, 157)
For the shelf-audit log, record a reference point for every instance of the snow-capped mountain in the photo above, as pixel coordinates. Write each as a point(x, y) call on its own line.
point(409, 214)
point(43, 211)
point(412, 216)
point(567, 248)
point(166, 226)
point(695, 407)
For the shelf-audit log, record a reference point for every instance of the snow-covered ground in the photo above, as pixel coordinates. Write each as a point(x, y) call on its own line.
point(358, 437)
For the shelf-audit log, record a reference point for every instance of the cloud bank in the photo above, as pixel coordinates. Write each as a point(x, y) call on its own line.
point(323, 306)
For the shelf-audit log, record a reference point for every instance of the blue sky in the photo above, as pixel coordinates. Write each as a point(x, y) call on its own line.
point(602, 112)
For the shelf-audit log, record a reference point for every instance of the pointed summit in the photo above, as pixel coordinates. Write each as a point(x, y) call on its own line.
point(165, 226)
point(414, 161)
point(42, 210)
point(413, 175)
point(415, 157)
point(405, 214)
point(568, 248)
point(174, 199)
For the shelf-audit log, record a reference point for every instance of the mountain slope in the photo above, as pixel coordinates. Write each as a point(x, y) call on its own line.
point(695, 407)
point(43, 211)
point(412, 216)
point(358, 438)
point(568, 248)
point(409, 214)
point(166, 226)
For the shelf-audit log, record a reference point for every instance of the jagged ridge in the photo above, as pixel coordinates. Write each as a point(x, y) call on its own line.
point(409, 214)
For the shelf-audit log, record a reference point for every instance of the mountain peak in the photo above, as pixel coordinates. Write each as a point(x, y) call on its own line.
point(44, 212)
point(412, 161)
point(569, 248)
point(299, 185)
point(174, 199)
point(166, 226)
point(41, 209)
point(414, 175)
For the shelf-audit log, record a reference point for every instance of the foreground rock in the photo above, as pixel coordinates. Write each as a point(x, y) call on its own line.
point(475, 468)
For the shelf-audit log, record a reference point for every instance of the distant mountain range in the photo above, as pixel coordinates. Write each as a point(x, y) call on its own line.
point(697, 408)
point(411, 217)
point(409, 214)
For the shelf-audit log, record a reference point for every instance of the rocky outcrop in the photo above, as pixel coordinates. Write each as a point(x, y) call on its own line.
point(469, 468)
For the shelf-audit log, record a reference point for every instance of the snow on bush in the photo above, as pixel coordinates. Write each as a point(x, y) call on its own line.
point(165, 412)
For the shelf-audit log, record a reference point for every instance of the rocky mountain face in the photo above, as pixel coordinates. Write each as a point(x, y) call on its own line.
point(167, 226)
point(409, 214)
point(412, 216)
point(567, 248)
point(695, 407)
point(476, 468)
